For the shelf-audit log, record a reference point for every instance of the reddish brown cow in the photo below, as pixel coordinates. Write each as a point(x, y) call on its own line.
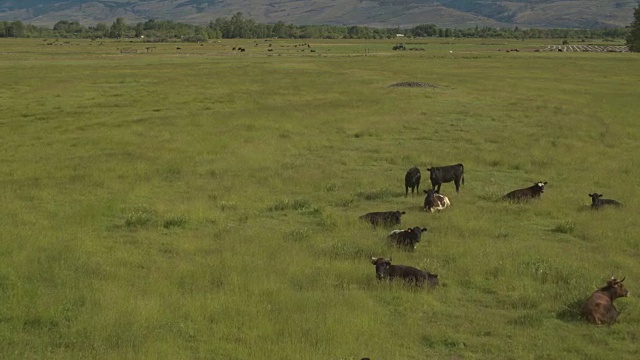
point(599, 308)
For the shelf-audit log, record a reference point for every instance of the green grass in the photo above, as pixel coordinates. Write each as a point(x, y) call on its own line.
point(202, 203)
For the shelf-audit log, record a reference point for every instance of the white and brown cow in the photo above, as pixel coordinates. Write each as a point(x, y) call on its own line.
point(435, 201)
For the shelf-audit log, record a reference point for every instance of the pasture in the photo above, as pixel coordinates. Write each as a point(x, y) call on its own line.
point(203, 202)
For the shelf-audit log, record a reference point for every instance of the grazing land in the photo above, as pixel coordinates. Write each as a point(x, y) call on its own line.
point(180, 201)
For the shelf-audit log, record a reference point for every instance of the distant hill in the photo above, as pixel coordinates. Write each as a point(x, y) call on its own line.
point(375, 13)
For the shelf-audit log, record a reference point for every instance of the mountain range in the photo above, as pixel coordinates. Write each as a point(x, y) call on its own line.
point(375, 13)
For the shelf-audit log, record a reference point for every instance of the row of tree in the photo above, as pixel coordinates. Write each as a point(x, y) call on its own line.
point(238, 26)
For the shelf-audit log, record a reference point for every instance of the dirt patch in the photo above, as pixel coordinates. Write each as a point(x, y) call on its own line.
point(413, 84)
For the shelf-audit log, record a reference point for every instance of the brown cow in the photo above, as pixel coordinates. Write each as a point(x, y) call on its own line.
point(599, 308)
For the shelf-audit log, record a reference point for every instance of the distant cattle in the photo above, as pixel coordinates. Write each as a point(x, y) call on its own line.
point(412, 180)
point(407, 238)
point(386, 218)
point(435, 201)
point(386, 271)
point(445, 174)
point(527, 193)
point(599, 308)
point(597, 201)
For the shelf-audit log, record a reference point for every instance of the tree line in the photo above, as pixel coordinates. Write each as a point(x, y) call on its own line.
point(240, 27)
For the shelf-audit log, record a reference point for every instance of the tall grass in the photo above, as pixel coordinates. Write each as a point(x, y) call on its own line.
point(204, 204)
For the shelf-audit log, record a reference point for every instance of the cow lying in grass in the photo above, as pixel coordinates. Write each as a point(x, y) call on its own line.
point(527, 193)
point(386, 271)
point(434, 201)
point(599, 308)
point(407, 238)
point(597, 201)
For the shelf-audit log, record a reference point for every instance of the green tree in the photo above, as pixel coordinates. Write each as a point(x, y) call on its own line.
point(14, 29)
point(118, 28)
point(633, 39)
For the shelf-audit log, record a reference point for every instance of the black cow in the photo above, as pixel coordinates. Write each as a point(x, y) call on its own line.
point(386, 271)
point(386, 218)
point(407, 238)
point(527, 193)
point(429, 200)
point(412, 180)
point(597, 201)
point(444, 174)
point(599, 308)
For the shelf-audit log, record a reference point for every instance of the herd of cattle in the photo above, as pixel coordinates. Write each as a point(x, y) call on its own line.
point(598, 309)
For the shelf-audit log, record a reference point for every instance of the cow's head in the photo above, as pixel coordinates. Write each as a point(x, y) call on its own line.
point(595, 197)
point(416, 230)
point(540, 186)
point(415, 173)
point(615, 288)
point(382, 267)
point(432, 280)
point(433, 172)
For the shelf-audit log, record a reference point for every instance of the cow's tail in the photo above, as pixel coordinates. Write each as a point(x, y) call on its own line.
point(462, 167)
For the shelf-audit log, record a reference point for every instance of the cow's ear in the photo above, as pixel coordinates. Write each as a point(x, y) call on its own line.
point(600, 195)
point(409, 230)
point(373, 260)
point(429, 169)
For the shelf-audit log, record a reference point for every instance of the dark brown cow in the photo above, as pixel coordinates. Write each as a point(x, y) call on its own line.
point(443, 174)
point(597, 201)
point(412, 180)
point(386, 271)
point(386, 218)
point(527, 193)
point(599, 308)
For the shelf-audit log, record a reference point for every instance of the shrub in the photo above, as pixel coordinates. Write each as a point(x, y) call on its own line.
point(140, 216)
point(178, 221)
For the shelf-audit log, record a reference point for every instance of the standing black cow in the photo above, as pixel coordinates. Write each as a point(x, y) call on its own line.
point(386, 271)
point(412, 180)
point(444, 174)
point(527, 193)
point(597, 201)
point(386, 218)
point(407, 238)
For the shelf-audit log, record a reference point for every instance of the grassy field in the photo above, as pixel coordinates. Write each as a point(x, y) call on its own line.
point(202, 202)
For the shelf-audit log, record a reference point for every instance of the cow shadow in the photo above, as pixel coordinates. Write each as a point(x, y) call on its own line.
point(571, 311)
